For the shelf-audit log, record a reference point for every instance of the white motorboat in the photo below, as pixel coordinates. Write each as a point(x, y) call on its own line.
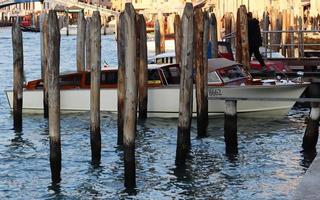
point(225, 79)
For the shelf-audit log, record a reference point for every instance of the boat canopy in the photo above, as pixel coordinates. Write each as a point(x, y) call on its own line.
point(218, 63)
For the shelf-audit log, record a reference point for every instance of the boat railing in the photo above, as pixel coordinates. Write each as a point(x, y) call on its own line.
point(293, 40)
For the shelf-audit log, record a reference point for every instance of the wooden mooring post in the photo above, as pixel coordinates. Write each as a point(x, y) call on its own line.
point(131, 97)
point(54, 95)
point(88, 44)
point(200, 63)
point(81, 41)
point(142, 66)
point(17, 45)
point(177, 38)
point(214, 35)
point(95, 133)
point(121, 74)
point(186, 86)
point(230, 127)
point(44, 61)
point(242, 42)
point(157, 37)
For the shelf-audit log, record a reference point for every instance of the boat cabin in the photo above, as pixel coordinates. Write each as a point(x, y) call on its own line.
point(221, 71)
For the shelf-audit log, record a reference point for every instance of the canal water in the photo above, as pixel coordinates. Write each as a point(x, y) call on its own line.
point(269, 164)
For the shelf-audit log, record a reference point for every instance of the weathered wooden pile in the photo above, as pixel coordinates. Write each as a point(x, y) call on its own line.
point(192, 33)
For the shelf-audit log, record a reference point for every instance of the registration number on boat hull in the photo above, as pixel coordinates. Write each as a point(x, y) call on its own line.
point(213, 92)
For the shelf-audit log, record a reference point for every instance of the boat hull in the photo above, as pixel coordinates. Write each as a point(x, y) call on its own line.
point(164, 102)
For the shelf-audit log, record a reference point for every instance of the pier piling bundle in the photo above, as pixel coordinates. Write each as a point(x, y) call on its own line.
point(95, 134)
point(17, 45)
point(54, 95)
point(186, 85)
point(81, 41)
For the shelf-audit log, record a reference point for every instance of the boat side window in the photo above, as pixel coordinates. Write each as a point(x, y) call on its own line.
point(172, 74)
point(213, 77)
point(153, 76)
point(70, 80)
point(231, 73)
point(107, 77)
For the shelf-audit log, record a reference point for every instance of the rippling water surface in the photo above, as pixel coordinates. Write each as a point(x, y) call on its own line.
point(269, 164)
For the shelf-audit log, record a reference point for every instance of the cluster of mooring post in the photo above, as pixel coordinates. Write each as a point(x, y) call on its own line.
point(17, 45)
point(132, 84)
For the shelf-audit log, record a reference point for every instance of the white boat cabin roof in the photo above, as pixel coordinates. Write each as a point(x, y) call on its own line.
point(218, 63)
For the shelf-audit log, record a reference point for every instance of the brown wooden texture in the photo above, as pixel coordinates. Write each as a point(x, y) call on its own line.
point(88, 44)
point(54, 95)
point(81, 41)
point(177, 38)
point(131, 97)
point(17, 45)
point(121, 74)
point(244, 37)
point(214, 35)
point(143, 68)
point(186, 86)
point(95, 134)
point(199, 70)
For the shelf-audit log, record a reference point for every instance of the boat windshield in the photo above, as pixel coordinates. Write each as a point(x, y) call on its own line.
point(171, 74)
point(231, 73)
